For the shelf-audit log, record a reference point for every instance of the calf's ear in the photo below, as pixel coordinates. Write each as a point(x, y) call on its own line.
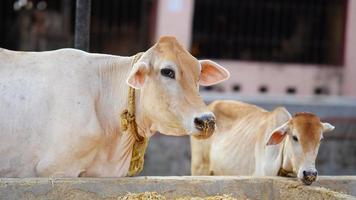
point(327, 127)
point(278, 134)
point(138, 75)
point(212, 73)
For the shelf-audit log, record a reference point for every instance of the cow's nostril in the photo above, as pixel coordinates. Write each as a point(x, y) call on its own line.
point(315, 173)
point(304, 173)
point(199, 123)
point(210, 121)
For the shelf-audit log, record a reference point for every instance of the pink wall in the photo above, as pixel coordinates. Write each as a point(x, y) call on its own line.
point(277, 77)
point(174, 17)
point(349, 82)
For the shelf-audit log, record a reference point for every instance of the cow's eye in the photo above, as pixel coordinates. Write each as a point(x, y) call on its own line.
point(168, 73)
point(295, 138)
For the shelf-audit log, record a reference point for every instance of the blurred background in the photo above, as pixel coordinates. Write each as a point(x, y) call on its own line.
point(298, 54)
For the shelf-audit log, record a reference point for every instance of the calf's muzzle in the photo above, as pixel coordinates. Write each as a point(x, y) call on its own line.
point(309, 177)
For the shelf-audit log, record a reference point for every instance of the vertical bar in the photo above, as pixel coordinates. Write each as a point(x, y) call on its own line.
point(82, 25)
point(66, 16)
point(349, 71)
point(144, 20)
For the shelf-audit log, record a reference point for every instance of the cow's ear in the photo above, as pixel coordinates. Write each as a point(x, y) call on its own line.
point(212, 73)
point(278, 134)
point(327, 127)
point(138, 75)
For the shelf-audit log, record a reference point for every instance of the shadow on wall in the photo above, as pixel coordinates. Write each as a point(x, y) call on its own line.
point(167, 156)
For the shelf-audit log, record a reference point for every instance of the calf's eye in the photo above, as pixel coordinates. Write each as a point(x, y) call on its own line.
point(295, 138)
point(168, 73)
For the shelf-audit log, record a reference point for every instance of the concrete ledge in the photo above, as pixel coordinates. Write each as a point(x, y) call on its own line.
point(344, 184)
point(172, 187)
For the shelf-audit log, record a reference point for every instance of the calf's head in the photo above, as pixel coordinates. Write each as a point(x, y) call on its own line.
point(168, 78)
point(302, 134)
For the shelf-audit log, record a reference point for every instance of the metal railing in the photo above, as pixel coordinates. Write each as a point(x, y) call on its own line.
point(302, 31)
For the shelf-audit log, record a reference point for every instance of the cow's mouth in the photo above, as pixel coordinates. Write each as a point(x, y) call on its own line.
point(308, 180)
point(206, 133)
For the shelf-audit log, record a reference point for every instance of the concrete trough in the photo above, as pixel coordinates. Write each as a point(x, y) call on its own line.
point(343, 187)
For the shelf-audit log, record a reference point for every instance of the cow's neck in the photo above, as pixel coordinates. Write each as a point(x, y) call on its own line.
point(115, 154)
point(276, 156)
point(287, 155)
point(286, 162)
point(113, 98)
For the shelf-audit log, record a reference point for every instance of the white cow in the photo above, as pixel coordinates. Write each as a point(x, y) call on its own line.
point(252, 141)
point(59, 110)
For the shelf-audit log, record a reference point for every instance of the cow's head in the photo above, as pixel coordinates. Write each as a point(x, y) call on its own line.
point(168, 78)
point(303, 133)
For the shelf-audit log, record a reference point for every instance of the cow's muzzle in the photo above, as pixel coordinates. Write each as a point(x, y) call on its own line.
point(309, 177)
point(205, 124)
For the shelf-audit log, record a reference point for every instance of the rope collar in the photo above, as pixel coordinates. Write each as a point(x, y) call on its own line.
point(129, 125)
point(285, 173)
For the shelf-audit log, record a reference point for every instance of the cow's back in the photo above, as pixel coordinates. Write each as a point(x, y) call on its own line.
point(233, 146)
point(238, 127)
point(239, 145)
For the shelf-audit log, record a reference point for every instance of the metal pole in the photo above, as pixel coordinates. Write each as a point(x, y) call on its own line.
point(66, 16)
point(143, 31)
point(82, 25)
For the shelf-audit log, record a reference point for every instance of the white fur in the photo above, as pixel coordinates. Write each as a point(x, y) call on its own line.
point(59, 114)
point(56, 105)
point(59, 110)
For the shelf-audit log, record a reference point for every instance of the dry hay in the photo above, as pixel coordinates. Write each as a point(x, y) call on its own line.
point(156, 196)
point(222, 197)
point(142, 196)
point(299, 191)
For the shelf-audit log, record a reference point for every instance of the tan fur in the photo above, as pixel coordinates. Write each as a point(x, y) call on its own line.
point(239, 145)
point(309, 129)
point(239, 125)
point(178, 103)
